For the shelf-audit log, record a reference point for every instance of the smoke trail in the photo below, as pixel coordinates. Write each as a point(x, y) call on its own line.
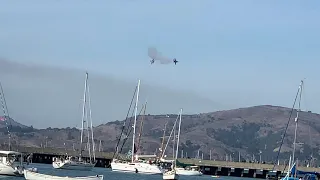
point(154, 54)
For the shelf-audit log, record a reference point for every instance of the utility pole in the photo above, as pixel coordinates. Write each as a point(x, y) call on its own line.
point(198, 156)
point(174, 141)
point(260, 152)
point(100, 146)
point(210, 154)
point(46, 141)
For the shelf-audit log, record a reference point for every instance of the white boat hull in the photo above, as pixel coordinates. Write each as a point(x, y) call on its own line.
point(170, 175)
point(73, 166)
point(185, 172)
point(142, 168)
point(13, 170)
point(29, 175)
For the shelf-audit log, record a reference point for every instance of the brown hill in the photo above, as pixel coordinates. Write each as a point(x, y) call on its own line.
point(247, 131)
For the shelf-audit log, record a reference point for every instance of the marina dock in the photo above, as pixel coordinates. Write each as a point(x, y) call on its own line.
point(209, 167)
point(242, 169)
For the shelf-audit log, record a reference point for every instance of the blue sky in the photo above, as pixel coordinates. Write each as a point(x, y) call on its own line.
point(238, 53)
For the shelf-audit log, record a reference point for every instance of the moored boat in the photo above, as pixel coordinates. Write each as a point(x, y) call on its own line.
point(29, 175)
point(170, 175)
point(189, 171)
point(137, 164)
point(11, 163)
point(72, 164)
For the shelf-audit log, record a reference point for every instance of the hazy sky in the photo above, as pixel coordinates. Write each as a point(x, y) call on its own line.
point(235, 53)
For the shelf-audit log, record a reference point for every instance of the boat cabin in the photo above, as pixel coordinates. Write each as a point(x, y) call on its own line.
point(193, 168)
point(66, 158)
point(146, 158)
point(10, 157)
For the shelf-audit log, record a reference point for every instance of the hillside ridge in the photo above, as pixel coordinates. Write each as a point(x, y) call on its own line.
point(250, 131)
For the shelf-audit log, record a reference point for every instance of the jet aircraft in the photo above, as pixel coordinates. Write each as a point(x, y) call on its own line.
point(175, 61)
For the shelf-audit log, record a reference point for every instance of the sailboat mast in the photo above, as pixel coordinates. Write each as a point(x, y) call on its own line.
point(91, 126)
point(83, 112)
point(88, 143)
point(5, 114)
point(174, 126)
point(135, 121)
point(178, 139)
point(163, 138)
point(141, 125)
point(296, 121)
point(174, 142)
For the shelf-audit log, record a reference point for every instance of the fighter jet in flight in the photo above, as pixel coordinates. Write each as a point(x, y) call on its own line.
point(157, 56)
point(175, 61)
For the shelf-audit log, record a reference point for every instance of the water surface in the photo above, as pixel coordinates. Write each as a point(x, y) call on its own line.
point(109, 175)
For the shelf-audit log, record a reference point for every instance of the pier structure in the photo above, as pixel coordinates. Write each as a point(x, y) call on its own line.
point(208, 167)
point(45, 155)
point(243, 169)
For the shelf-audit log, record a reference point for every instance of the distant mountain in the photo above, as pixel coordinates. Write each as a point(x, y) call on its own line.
point(246, 130)
point(5, 120)
point(251, 131)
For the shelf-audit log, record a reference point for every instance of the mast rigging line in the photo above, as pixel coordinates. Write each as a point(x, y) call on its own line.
point(173, 127)
point(126, 132)
point(285, 131)
point(141, 125)
point(83, 113)
point(5, 104)
point(6, 115)
point(131, 128)
point(91, 126)
point(124, 123)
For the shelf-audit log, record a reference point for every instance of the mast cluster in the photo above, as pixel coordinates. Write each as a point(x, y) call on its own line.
point(129, 127)
point(87, 118)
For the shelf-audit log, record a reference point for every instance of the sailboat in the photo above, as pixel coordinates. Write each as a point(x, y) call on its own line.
point(10, 161)
point(293, 173)
point(172, 174)
point(77, 163)
point(189, 171)
point(180, 168)
point(136, 165)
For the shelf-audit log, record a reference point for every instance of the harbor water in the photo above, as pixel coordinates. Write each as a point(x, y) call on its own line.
point(109, 175)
